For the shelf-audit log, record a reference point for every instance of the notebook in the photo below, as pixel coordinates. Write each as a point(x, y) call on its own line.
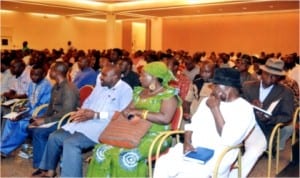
point(10, 102)
point(200, 155)
point(270, 109)
point(13, 115)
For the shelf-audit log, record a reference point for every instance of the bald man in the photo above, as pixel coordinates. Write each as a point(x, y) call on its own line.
point(110, 94)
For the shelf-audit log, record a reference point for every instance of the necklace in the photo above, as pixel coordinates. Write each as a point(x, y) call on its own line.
point(155, 91)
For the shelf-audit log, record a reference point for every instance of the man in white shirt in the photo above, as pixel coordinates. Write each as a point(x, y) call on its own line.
point(109, 95)
point(19, 86)
point(5, 75)
point(215, 125)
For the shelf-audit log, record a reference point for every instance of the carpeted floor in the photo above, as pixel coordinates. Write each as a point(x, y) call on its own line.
point(14, 166)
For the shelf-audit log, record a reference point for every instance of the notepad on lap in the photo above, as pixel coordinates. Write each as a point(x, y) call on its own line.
point(10, 102)
point(13, 115)
point(200, 155)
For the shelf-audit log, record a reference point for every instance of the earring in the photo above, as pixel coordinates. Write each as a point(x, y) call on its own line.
point(152, 87)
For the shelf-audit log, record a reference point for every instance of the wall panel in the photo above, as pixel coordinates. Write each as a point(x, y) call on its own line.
point(251, 33)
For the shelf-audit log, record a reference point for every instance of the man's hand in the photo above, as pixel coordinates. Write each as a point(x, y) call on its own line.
point(82, 115)
point(36, 122)
point(187, 147)
point(213, 102)
point(10, 94)
point(257, 103)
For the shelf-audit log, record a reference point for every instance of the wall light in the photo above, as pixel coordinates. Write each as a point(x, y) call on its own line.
point(6, 11)
point(45, 15)
point(90, 19)
point(89, 2)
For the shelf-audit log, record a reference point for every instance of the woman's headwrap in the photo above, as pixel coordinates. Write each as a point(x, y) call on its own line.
point(159, 70)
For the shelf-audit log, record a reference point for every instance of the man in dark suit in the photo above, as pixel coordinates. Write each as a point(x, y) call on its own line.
point(263, 94)
point(268, 92)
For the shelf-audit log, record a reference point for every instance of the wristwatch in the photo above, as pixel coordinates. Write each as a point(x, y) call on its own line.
point(97, 115)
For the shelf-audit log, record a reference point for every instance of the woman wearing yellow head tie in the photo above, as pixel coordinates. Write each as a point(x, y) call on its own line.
point(155, 101)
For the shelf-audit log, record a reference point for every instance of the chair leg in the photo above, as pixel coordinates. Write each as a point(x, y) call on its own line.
point(277, 150)
point(240, 164)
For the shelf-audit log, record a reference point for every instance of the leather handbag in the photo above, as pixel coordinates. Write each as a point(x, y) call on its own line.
point(123, 132)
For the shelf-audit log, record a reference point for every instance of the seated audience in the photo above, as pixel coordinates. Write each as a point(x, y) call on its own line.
point(199, 89)
point(215, 125)
point(64, 99)
point(267, 91)
point(66, 144)
point(5, 75)
point(191, 67)
point(287, 131)
point(19, 86)
point(242, 65)
point(262, 94)
point(86, 74)
point(154, 101)
point(128, 75)
point(15, 130)
point(182, 82)
point(115, 55)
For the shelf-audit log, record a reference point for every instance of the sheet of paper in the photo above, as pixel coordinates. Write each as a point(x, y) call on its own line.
point(10, 102)
point(13, 115)
point(262, 110)
point(273, 105)
point(47, 125)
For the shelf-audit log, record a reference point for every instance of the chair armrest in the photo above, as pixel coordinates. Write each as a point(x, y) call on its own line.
point(159, 139)
point(275, 131)
point(21, 102)
point(65, 117)
point(38, 110)
point(294, 122)
point(224, 152)
point(164, 137)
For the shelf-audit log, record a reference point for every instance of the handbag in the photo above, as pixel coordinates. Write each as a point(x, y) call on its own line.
point(122, 132)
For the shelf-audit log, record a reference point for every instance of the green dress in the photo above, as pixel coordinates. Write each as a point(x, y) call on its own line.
point(110, 161)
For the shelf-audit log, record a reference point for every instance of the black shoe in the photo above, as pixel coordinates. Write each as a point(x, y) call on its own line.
point(38, 173)
point(3, 156)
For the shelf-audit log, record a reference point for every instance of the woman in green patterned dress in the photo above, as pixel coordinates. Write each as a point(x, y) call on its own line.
point(156, 102)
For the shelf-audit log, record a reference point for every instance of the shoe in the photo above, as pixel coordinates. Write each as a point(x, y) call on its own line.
point(38, 173)
point(24, 155)
point(3, 156)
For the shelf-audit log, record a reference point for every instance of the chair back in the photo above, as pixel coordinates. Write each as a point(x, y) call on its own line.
point(84, 92)
point(177, 118)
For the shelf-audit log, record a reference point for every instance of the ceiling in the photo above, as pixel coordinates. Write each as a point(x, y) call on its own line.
point(137, 9)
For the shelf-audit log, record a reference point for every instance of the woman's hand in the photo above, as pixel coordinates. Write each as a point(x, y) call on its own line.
point(82, 115)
